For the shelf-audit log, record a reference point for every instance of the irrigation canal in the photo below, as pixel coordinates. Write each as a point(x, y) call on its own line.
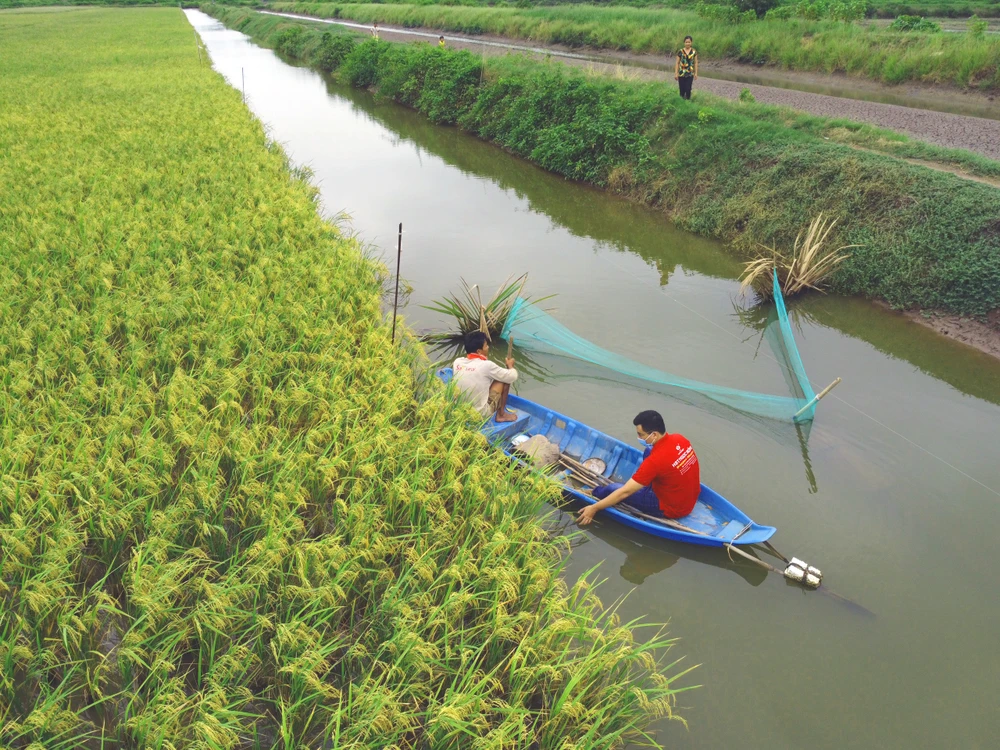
point(894, 491)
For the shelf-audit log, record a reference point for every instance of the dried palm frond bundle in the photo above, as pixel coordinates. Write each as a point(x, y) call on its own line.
point(471, 314)
point(808, 266)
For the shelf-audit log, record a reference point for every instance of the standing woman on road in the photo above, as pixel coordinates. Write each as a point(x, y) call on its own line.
point(375, 31)
point(686, 67)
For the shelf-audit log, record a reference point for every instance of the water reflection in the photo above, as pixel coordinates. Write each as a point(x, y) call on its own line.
point(647, 556)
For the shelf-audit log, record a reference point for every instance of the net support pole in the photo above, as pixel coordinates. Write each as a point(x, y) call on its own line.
point(816, 398)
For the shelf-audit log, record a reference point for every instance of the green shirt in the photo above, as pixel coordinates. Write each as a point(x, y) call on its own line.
point(686, 60)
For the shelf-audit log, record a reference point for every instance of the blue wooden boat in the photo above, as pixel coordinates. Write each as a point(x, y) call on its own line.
point(716, 521)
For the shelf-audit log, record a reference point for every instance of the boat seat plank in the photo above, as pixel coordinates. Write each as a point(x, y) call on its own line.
point(730, 530)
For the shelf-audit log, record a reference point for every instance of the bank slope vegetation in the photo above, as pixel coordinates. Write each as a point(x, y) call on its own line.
point(231, 517)
point(748, 174)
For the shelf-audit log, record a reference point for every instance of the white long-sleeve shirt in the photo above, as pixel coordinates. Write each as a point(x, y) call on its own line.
point(474, 376)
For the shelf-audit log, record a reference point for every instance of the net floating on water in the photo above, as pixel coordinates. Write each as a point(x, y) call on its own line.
point(537, 330)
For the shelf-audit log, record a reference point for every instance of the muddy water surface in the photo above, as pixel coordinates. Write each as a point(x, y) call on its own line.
point(894, 491)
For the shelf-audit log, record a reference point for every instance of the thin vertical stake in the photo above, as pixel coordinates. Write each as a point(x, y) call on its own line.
point(395, 304)
point(244, 77)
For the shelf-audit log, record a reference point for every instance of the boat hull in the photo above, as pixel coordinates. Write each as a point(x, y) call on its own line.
point(717, 519)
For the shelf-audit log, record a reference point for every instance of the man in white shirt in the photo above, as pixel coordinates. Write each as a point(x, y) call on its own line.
point(484, 383)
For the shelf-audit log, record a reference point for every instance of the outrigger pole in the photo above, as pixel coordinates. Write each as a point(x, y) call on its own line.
point(816, 398)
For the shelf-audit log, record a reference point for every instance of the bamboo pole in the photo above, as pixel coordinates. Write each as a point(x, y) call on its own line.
point(816, 398)
point(569, 463)
point(395, 304)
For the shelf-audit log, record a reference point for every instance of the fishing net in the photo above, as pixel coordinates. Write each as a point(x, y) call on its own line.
point(534, 329)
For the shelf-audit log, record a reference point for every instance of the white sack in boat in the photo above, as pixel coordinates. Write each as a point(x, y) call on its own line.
point(540, 450)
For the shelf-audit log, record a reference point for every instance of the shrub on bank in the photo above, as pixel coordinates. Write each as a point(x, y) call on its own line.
point(915, 23)
point(742, 172)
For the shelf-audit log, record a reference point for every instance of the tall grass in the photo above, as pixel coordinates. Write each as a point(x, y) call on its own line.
point(797, 44)
point(746, 173)
point(808, 266)
point(229, 517)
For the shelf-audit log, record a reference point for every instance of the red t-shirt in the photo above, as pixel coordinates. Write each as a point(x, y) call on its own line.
point(673, 472)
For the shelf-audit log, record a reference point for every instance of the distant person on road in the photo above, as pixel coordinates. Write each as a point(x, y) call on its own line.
point(440, 42)
point(667, 482)
point(686, 67)
point(485, 383)
point(375, 31)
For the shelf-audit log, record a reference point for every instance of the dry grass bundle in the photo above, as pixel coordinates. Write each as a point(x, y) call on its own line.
point(808, 267)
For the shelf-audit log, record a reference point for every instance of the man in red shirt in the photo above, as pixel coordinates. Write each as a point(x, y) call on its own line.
point(667, 482)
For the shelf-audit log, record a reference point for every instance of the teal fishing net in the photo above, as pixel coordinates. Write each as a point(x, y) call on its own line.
point(534, 329)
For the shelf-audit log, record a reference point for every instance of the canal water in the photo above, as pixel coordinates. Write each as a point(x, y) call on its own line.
point(894, 491)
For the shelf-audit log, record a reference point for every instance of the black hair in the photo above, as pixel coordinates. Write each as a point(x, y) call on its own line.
point(474, 341)
point(650, 421)
point(688, 37)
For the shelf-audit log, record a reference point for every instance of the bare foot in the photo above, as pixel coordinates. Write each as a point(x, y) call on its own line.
point(508, 416)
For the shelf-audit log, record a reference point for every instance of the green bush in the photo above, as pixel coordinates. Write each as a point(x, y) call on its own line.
point(977, 27)
point(360, 68)
point(781, 13)
point(834, 10)
point(914, 23)
point(729, 14)
point(333, 49)
point(747, 97)
point(758, 7)
point(290, 40)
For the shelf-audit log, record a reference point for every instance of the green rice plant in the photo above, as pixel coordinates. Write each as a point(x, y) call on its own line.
point(228, 519)
point(808, 266)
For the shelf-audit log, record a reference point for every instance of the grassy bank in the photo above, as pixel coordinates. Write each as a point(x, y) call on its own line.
point(744, 173)
point(230, 517)
point(796, 44)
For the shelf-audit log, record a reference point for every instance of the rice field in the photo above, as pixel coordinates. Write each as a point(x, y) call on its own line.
point(233, 516)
